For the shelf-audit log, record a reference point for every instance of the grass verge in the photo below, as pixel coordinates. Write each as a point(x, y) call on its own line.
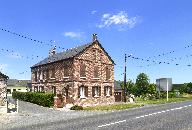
point(113, 107)
point(185, 97)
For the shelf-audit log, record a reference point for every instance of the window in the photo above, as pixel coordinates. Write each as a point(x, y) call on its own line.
point(41, 88)
point(35, 88)
point(107, 91)
point(94, 55)
point(35, 73)
point(40, 75)
point(108, 73)
point(66, 71)
point(82, 70)
point(96, 91)
point(47, 74)
point(83, 91)
point(96, 72)
point(8, 91)
point(54, 89)
point(43, 74)
point(53, 73)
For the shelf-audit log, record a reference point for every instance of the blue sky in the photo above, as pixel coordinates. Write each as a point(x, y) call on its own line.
point(142, 28)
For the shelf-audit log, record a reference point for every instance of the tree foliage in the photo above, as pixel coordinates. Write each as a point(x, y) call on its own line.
point(142, 83)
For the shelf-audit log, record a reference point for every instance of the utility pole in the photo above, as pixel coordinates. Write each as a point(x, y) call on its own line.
point(125, 78)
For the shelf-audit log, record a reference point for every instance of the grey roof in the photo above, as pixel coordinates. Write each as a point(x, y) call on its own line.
point(69, 53)
point(3, 76)
point(117, 85)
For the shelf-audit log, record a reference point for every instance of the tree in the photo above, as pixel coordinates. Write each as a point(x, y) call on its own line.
point(129, 86)
point(142, 83)
point(151, 89)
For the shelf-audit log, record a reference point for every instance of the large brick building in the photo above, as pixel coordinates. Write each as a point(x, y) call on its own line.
point(83, 75)
point(3, 91)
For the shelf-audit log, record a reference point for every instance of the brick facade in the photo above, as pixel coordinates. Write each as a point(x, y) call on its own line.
point(85, 79)
point(3, 91)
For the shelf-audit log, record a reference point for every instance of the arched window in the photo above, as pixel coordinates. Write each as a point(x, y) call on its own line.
point(82, 70)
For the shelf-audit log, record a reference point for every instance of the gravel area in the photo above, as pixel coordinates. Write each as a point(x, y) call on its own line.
point(33, 114)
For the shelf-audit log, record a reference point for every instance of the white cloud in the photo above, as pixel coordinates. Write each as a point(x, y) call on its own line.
point(77, 35)
point(94, 11)
point(15, 55)
point(120, 20)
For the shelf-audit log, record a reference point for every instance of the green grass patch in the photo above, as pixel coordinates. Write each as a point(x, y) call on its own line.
point(113, 107)
point(185, 97)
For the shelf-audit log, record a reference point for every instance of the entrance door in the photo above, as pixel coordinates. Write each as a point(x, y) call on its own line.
point(117, 96)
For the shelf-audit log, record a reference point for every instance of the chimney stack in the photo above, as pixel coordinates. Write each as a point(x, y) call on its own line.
point(94, 37)
point(52, 51)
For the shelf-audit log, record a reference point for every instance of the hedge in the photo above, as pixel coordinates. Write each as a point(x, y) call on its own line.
point(43, 99)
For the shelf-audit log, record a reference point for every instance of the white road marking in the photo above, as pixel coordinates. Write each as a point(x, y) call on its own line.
point(118, 122)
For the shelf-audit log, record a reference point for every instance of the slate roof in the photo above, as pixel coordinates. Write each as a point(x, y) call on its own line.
point(69, 53)
point(3, 76)
point(117, 85)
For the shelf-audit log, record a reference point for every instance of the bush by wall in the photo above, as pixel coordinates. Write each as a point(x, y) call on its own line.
point(76, 107)
point(43, 99)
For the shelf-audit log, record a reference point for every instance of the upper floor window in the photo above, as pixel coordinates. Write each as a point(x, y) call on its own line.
point(53, 73)
point(54, 89)
point(66, 71)
point(94, 55)
point(35, 74)
point(47, 74)
point(108, 73)
point(82, 70)
point(96, 72)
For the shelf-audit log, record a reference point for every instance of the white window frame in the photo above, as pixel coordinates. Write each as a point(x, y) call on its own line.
point(96, 91)
point(107, 91)
point(82, 92)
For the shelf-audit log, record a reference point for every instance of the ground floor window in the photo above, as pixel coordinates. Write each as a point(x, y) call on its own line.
point(54, 89)
point(107, 91)
point(41, 88)
point(35, 88)
point(96, 91)
point(83, 91)
point(8, 91)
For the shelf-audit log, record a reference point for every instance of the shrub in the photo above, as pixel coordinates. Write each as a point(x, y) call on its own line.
point(76, 107)
point(43, 99)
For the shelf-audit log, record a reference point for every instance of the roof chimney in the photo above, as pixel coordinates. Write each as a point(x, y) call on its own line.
point(52, 51)
point(94, 37)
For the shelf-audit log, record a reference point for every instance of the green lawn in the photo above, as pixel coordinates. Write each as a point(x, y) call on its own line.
point(139, 102)
point(185, 97)
point(114, 107)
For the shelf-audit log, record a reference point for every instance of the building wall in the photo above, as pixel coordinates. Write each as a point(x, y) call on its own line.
point(3, 88)
point(74, 81)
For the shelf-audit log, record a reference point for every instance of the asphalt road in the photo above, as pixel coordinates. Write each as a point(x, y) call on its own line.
point(174, 116)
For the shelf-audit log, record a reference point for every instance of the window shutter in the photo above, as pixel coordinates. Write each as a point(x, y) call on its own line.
point(110, 90)
point(86, 91)
point(99, 91)
point(105, 88)
point(79, 91)
point(93, 91)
